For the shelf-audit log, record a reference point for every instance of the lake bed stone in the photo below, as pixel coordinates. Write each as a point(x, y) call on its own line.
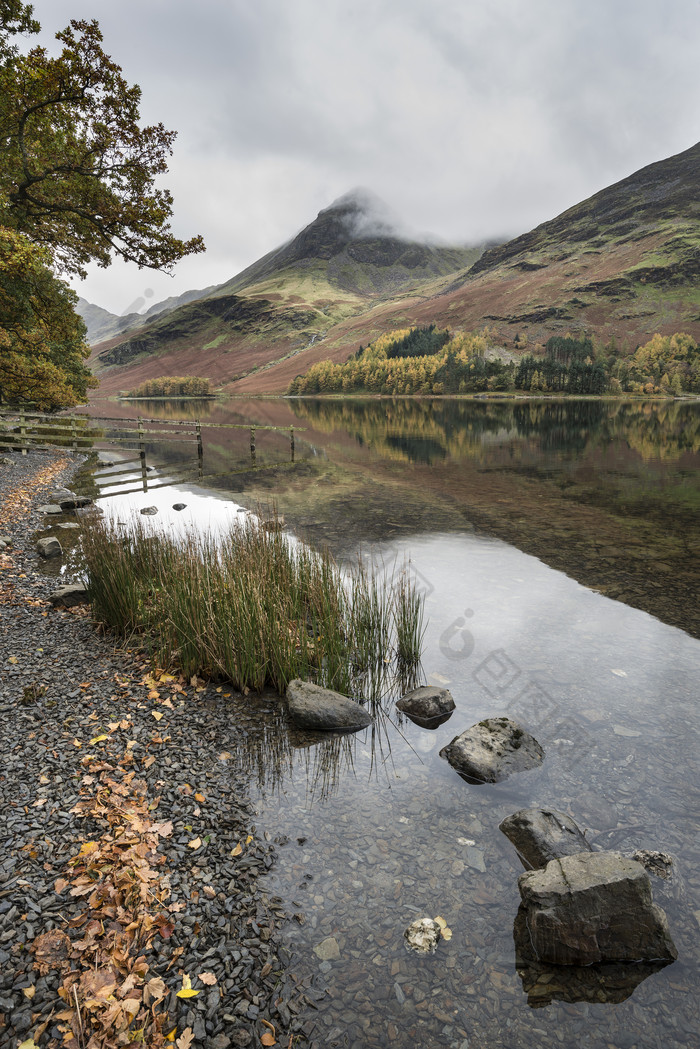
point(541, 835)
point(313, 707)
point(594, 907)
point(493, 750)
point(149, 511)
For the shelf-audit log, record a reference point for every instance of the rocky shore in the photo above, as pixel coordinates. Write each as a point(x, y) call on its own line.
point(68, 694)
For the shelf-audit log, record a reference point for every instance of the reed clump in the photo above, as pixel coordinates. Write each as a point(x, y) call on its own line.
point(253, 607)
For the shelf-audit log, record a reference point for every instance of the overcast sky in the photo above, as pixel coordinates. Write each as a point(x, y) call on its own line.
point(472, 119)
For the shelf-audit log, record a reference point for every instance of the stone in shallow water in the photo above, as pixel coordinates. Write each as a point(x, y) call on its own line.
point(327, 950)
point(594, 907)
point(422, 936)
point(70, 595)
point(50, 508)
point(179, 506)
point(313, 707)
point(492, 751)
point(427, 706)
point(657, 863)
point(541, 835)
point(149, 511)
point(49, 547)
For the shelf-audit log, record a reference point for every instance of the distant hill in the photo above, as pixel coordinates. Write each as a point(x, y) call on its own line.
point(350, 258)
point(624, 263)
point(101, 324)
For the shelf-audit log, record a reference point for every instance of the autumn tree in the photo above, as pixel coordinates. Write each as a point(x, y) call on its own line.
point(78, 183)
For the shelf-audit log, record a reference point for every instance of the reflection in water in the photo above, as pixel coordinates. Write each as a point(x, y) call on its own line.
point(599, 984)
point(172, 407)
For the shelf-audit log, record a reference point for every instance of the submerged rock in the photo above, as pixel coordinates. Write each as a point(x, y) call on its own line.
point(422, 936)
point(492, 751)
point(70, 595)
point(594, 907)
point(313, 707)
point(179, 506)
point(149, 511)
point(543, 984)
point(50, 508)
point(427, 706)
point(49, 547)
point(541, 835)
point(74, 502)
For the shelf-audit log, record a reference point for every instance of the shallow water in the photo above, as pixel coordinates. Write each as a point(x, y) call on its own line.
point(376, 829)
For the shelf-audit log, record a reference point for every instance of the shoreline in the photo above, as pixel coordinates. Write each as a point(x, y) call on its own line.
point(64, 687)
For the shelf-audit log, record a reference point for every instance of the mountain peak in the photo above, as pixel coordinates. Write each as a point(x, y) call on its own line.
point(363, 213)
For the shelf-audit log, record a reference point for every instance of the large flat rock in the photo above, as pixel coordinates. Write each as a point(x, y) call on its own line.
point(313, 707)
point(594, 907)
point(427, 706)
point(492, 751)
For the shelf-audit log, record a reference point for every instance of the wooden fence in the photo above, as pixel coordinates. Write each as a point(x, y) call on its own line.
point(22, 430)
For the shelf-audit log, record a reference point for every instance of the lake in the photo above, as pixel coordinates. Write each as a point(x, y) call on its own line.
point(556, 544)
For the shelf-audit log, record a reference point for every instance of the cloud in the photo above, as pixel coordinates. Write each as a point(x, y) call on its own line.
point(471, 119)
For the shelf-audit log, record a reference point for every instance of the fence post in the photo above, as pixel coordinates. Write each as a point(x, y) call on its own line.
point(200, 449)
point(291, 441)
point(142, 456)
point(23, 431)
point(252, 446)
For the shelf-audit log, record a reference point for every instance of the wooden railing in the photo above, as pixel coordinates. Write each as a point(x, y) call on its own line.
point(21, 431)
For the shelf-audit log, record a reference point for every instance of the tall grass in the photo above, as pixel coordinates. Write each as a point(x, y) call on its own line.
point(253, 608)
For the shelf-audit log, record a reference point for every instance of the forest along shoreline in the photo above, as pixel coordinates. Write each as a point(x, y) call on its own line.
point(146, 759)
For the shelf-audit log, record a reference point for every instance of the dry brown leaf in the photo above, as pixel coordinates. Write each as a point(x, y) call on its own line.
point(157, 714)
point(29, 992)
point(209, 891)
point(156, 988)
point(208, 978)
point(147, 762)
point(194, 844)
point(186, 1038)
point(199, 797)
point(153, 694)
point(60, 884)
point(238, 850)
point(268, 1039)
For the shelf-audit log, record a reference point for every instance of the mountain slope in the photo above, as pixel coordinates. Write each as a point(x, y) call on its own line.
point(351, 257)
point(102, 325)
point(624, 263)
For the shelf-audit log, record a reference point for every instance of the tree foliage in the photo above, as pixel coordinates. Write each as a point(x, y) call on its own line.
point(174, 386)
point(42, 339)
point(77, 171)
point(77, 185)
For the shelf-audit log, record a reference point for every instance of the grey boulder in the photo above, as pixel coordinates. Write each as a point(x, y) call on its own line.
point(427, 706)
point(541, 835)
point(149, 511)
point(50, 508)
point(49, 547)
point(492, 751)
point(594, 907)
point(70, 595)
point(74, 502)
point(179, 506)
point(313, 707)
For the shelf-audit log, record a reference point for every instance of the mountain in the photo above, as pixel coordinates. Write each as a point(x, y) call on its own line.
point(352, 257)
point(624, 263)
point(101, 324)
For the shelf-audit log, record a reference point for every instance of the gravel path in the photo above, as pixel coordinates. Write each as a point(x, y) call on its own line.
point(61, 683)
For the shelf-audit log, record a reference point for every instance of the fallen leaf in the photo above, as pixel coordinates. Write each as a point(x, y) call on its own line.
point(441, 922)
point(209, 891)
point(446, 934)
point(13, 659)
point(60, 884)
point(186, 991)
point(165, 678)
point(208, 978)
point(186, 1038)
point(98, 739)
point(87, 847)
point(171, 1037)
point(199, 797)
point(157, 714)
point(156, 988)
point(268, 1039)
point(38, 803)
point(238, 850)
point(194, 844)
point(44, 779)
point(29, 1044)
point(77, 743)
point(29, 992)
point(154, 694)
point(147, 762)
